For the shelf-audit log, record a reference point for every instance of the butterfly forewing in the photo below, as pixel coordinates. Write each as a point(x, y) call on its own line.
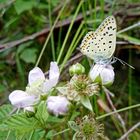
point(100, 45)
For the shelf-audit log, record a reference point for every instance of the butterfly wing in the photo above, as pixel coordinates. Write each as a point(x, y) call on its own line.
point(100, 45)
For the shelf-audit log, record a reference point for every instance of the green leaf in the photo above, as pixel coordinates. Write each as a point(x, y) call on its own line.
point(50, 134)
point(53, 119)
point(42, 113)
point(3, 127)
point(74, 115)
point(24, 5)
point(19, 122)
point(29, 55)
point(23, 46)
point(129, 38)
point(86, 103)
point(4, 112)
point(73, 125)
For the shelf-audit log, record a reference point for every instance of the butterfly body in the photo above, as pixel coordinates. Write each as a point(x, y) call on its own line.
point(100, 45)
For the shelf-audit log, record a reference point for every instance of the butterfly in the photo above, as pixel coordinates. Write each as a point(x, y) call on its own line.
point(101, 44)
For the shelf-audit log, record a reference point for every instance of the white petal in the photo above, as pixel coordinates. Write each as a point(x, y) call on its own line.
point(57, 105)
point(54, 72)
point(53, 77)
point(95, 71)
point(30, 109)
point(21, 99)
point(48, 84)
point(35, 74)
point(106, 73)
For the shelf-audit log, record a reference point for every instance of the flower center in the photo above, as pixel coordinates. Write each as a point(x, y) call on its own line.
point(88, 129)
point(80, 86)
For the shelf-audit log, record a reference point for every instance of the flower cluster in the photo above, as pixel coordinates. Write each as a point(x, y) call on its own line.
point(37, 87)
point(59, 100)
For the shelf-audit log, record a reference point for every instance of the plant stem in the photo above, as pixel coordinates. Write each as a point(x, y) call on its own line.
point(117, 111)
point(68, 32)
point(130, 88)
point(52, 36)
point(47, 40)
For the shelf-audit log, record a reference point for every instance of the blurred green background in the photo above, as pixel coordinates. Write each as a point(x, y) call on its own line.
point(36, 32)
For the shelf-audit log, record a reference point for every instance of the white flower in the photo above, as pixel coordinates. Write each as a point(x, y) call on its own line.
point(58, 105)
point(37, 85)
point(103, 74)
point(21, 99)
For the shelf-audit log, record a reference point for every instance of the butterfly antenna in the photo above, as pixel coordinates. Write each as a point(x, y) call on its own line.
point(124, 63)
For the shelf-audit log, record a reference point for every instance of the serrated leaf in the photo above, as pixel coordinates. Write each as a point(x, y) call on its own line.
point(21, 123)
point(73, 125)
point(86, 103)
point(42, 113)
point(3, 127)
point(29, 55)
point(4, 112)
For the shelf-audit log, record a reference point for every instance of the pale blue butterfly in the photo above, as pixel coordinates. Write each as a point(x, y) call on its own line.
point(101, 44)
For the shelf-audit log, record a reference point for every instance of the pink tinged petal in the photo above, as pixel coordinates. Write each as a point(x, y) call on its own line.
point(21, 99)
point(105, 72)
point(57, 105)
point(48, 85)
point(54, 72)
point(35, 74)
point(53, 77)
point(107, 75)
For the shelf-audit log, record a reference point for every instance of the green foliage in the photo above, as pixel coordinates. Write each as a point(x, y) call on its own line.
point(21, 18)
point(86, 102)
point(73, 125)
point(5, 110)
point(42, 114)
point(29, 55)
point(26, 5)
point(21, 123)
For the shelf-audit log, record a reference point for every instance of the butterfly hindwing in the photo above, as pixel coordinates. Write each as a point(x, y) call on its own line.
point(100, 45)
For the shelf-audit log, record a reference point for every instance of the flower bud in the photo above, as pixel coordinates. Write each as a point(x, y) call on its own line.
point(103, 74)
point(57, 105)
point(76, 69)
